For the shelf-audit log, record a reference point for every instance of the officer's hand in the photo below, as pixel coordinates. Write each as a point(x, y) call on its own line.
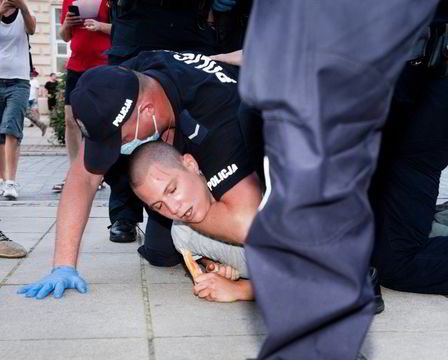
point(61, 278)
point(223, 5)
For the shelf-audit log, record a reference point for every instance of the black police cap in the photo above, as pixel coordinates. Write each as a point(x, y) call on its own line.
point(102, 101)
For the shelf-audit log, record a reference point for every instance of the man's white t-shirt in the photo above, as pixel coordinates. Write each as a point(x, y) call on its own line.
point(14, 50)
point(34, 89)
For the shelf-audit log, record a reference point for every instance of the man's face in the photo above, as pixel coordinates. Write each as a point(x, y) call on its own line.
point(146, 126)
point(176, 193)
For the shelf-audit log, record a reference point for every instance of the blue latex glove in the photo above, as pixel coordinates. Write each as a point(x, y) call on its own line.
point(223, 5)
point(61, 278)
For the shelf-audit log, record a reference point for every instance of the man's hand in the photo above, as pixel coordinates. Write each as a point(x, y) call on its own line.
point(19, 4)
point(224, 270)
point(72, 20)
point(61, 278)
point(223, 5)
point(92, 25)
point(5, 6)
point(214, 287)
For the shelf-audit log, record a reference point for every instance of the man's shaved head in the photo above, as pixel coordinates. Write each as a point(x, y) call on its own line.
point(170, 183)
point(150, 154)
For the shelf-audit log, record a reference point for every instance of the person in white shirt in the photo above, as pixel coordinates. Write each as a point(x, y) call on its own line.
point(16, 23)
point(32, 112)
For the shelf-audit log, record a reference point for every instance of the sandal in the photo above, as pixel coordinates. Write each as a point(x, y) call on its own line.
point(102, 185)
point(58, 187)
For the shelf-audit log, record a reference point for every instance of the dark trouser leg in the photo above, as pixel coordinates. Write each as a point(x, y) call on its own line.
point(123, 204)
point(324, 90)
point(405, 187)
point(158, 248)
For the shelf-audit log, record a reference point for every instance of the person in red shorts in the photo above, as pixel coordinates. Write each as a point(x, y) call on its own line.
point(90, 38)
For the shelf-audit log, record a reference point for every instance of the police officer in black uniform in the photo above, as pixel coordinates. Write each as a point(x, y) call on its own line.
point(188, 90)
point(413, 154)
point(137, 26)
point(151, 25)
point(322, 73)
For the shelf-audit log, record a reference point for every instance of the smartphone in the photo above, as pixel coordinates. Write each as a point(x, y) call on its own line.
point(74, 10)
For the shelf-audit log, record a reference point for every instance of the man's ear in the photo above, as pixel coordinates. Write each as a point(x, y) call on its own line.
point(146, 105)
point(190, 163)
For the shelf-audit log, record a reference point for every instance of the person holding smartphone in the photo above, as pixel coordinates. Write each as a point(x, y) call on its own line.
point(89, 39)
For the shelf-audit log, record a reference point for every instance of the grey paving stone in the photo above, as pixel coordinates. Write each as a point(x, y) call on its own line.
point(408, 312)
point(6, 265)
point(7, 212)
point(101, 349)
point(90, 243)
point(38, 174)
point(172, 275)
point(94, 268)
point(95, 226)
point(27, 240)
point(406, 346)
point(43, 209)
point(177, 312)
point(106, 311)
point(208, 347)
point(25, 224)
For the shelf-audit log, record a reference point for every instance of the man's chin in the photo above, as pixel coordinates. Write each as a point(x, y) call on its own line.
point(198, 217)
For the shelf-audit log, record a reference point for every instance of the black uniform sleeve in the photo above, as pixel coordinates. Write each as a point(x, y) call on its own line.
point(223, 158)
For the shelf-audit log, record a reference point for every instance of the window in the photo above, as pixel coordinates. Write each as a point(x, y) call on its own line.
point(60, 49)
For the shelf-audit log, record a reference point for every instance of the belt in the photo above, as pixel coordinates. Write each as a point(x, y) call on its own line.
point(10, 81)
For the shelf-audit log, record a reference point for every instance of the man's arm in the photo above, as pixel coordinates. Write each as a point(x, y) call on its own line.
point(68, 20)
point(73, 211)
point(229, 219)
point(30, 21)
point(93, 25)
point(233, 58)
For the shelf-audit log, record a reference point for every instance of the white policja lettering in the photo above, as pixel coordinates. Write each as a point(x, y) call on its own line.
point(223, 174)
point(205, 64)
point(124, 110)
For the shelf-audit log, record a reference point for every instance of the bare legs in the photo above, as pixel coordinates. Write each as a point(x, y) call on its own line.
point(72, 134)
point(9, 158)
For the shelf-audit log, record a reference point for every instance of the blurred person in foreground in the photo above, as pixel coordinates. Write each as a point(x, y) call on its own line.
point(323, 74)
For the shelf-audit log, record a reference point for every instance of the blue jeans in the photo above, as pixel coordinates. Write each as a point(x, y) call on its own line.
point(14, 94)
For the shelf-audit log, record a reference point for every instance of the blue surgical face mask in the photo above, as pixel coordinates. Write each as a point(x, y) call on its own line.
point(128, 148)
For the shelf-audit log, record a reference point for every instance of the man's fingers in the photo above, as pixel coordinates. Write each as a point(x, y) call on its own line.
point(81, 286)
point(59, 290)
point(229, 272)
point(25, 288)
point(33, 291)
point(199, 287)
point(204, 293)
point(236, 275)
point(44, 291)
point(204, 277)
point(212, 267)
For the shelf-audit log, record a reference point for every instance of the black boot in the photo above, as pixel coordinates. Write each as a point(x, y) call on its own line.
point(379, 302)
point(123, 231)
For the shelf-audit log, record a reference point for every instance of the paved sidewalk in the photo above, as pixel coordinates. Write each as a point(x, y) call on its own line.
point(136, 311)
